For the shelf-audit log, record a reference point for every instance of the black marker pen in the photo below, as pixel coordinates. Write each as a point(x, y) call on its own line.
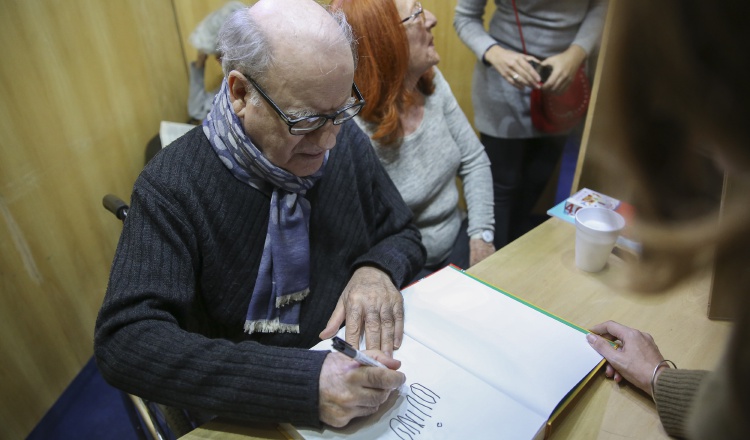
point(342, 346)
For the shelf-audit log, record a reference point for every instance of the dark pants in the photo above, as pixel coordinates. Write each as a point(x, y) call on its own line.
point(459, 256)
point(521, 169)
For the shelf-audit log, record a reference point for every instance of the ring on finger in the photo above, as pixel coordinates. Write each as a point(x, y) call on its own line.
point(515, 76)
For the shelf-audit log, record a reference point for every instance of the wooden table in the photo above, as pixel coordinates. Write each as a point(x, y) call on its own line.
point(539, 267)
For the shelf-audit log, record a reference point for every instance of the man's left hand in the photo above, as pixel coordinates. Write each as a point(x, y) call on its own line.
point(370, 302)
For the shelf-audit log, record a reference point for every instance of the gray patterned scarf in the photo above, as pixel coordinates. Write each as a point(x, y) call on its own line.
point(284, 273)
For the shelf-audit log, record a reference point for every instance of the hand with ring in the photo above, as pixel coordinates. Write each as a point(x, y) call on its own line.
point(514, 67)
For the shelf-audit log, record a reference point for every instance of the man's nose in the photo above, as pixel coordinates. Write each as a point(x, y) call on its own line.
point(325, 136)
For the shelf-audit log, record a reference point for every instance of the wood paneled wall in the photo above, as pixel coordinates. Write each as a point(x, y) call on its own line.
point(83, 87)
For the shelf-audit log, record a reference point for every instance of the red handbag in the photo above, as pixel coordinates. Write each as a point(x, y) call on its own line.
point(558, 112)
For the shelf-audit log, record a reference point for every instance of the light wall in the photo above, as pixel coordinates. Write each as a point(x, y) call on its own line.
point(83, 86)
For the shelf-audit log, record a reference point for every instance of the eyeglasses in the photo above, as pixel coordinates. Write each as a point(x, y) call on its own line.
point(417, 10)
point(308, 124)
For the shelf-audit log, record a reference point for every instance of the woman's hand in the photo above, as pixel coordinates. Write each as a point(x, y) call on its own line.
point(564, 67)
point(633, 360)
point(200, 60)
point(513, 66)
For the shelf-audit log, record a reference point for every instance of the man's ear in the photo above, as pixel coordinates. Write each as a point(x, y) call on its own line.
point(237, 91)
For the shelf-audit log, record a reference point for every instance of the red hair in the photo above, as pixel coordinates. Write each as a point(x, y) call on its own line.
point(383, 63)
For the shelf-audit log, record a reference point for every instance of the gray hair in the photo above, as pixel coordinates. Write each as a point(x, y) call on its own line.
point(245, 47)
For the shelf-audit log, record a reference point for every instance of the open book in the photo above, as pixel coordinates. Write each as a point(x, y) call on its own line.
point(479, 363)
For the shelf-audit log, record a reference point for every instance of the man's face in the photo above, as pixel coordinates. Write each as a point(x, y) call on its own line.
point(307, 88)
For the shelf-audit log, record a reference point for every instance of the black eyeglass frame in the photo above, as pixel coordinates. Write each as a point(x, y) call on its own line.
point(324, 118)
point(420, 10)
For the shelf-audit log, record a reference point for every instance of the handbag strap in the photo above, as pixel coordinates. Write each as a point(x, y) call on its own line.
point(520, 32)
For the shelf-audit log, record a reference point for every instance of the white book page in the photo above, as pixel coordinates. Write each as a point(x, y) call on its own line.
point(438, 401)
point(170, 131)
point(530, 356)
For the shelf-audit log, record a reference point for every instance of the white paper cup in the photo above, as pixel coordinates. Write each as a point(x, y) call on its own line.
point(597, 230)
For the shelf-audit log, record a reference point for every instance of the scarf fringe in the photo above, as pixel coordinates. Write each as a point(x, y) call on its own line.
point(292, 297)
point(266, 326)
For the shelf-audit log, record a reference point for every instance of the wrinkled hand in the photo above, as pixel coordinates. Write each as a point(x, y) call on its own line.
point(634, 360)
point(513, 66)
point(564, 67)
point(370, 302)
point(479, 250)
point(348, 390)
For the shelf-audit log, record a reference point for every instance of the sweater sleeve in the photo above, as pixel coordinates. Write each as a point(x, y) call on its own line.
point(674, 394)
point(707, 405)
point(474, 170)
point(469, 24)
point(590, 32)
point(143, 344)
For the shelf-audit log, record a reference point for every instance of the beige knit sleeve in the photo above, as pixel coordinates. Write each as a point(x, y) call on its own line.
point(674, 393)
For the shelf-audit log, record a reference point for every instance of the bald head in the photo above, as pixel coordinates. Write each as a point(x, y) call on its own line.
point(273, 36)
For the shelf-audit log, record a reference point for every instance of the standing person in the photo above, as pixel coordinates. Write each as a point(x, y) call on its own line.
point(688, 113)
point(251, 237)
point(558, 34)
point(419, 132)
point(204, 38)
point(199, 99)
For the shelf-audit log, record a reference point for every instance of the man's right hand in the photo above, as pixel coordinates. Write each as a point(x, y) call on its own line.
point(349, 390)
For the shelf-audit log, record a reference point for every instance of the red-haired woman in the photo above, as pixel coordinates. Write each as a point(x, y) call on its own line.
point(419, 132)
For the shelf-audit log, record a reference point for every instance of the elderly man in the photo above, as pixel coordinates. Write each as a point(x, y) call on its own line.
point(252, 237)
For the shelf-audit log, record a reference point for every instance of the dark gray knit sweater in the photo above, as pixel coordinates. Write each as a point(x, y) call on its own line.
point(171, 326)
